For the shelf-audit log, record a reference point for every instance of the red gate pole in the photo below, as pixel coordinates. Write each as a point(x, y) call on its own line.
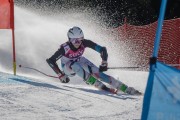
point(13, 35)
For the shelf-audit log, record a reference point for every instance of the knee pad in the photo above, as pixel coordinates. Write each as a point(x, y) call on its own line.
point(91, 80)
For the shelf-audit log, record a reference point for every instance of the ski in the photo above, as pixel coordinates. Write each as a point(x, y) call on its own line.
point(110, 90)
point(115, 91)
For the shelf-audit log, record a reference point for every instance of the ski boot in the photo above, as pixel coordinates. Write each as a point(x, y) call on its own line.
point(132, 91)
point(129, 90)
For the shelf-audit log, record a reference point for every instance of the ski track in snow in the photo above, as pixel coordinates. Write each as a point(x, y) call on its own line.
point(24, 98)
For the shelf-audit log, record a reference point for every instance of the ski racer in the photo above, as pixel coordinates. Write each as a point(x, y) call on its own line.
point(72, 63)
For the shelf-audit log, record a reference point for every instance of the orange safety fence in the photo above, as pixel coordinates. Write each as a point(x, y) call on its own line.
point(140, 40)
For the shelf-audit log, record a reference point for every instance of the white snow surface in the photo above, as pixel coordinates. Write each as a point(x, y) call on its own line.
point(23, 98)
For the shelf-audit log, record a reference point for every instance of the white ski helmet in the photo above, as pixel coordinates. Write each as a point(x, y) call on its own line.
point(75, 32)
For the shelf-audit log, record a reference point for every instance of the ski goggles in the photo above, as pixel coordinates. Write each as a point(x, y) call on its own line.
point(76, 40)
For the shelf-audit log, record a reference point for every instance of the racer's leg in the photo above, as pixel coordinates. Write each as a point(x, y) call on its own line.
point(94, 70)
point(72, 68)
point(67, 70)
point(121, 87)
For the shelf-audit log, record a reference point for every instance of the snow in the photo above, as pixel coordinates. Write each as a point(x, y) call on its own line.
point(27, 98)
point(31, 96)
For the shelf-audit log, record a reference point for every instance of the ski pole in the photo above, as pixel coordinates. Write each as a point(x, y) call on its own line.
point(38, 71)
point(173, 65)
point(123, 67)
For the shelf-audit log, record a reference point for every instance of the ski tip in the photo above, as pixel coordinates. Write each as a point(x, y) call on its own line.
point(139, 93)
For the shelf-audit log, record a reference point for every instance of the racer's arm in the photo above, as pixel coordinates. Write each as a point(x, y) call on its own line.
point(52, 61)
point(101, 50)
point(96, 47)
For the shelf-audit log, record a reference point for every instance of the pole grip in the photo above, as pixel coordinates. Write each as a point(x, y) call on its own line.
point(14, 67)
point(123, 67)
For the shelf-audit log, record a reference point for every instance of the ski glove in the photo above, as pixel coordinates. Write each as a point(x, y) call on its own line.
point(103, 66)
point(63, 78)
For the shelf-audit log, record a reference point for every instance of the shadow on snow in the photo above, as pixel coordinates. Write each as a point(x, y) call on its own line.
point(37, 84)
point(46, 85)
point(101, 92)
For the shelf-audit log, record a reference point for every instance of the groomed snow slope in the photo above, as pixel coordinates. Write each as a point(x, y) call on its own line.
point(23, 98)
